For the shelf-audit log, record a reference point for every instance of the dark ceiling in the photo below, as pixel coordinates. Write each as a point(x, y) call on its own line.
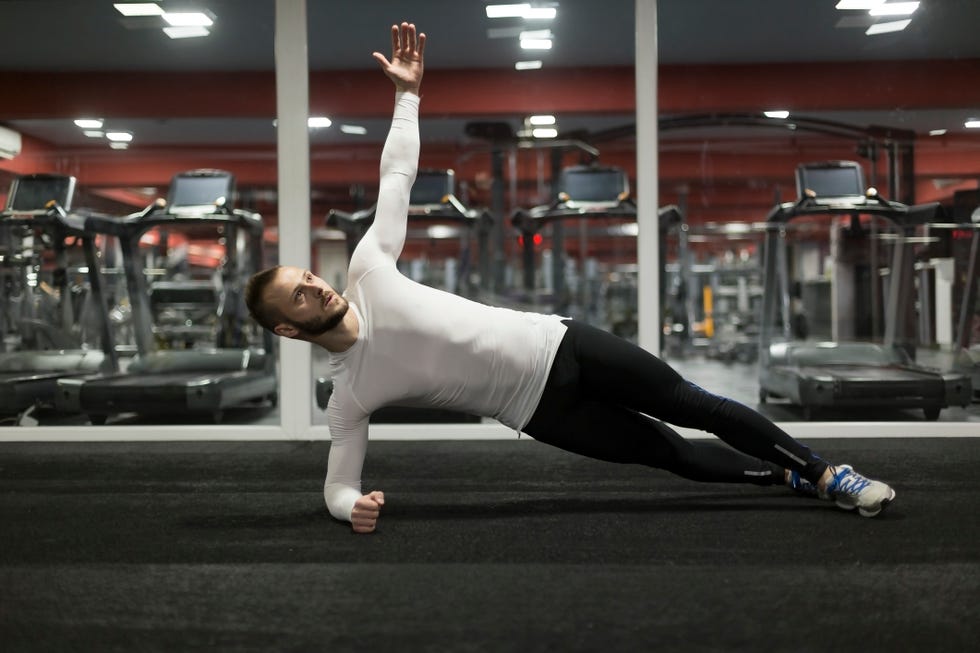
point(70, 35)
point(91, 35)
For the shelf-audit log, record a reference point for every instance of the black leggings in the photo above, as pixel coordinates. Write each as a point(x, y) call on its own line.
point(605, 398)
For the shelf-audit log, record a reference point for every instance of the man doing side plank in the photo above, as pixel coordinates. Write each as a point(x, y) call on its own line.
point(394, 341)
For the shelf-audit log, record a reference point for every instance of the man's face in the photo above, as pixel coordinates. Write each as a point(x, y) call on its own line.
point(310, 307)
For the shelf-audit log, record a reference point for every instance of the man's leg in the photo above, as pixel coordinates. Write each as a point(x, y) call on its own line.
point(605, 431)
point(611, 370)
point(615, 371)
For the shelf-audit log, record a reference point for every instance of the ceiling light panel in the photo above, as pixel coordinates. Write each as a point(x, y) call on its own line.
point(536, 44)
point(186, 32)
point(188, 19)
point(507, 11)
point(892, 26)
point(529, 65)
point(89, 123)
point(139, 8)
point(859, 4)
point(119, 136)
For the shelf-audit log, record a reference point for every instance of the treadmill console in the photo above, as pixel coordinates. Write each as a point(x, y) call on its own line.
point(432, 186)
point(200, 191)
point(30, 193)
point(832, 182)
point(594, 184)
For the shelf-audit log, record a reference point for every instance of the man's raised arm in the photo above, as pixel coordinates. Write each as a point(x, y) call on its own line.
point(400, 157)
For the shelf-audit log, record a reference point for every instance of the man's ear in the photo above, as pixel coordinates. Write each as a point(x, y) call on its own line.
point(286, 330)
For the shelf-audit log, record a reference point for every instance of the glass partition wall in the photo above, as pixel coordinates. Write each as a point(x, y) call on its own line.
point(514, 233)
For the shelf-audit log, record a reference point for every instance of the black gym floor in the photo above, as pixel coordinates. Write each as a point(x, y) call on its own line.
point(483, 546)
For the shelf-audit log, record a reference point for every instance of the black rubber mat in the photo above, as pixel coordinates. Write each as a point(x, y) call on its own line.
point(483, 546)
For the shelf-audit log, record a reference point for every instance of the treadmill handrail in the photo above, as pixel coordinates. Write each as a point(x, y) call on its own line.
point(450, 209)
point(899, 214)
point(533, 218)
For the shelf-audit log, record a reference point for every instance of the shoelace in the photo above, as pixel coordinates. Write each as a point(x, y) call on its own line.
point(849, 482)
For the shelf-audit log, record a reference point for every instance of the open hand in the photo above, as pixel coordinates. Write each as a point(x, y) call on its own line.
point(405, 67)
point(364, 516)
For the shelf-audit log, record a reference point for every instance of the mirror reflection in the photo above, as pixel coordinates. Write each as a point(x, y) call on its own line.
point(499, 217)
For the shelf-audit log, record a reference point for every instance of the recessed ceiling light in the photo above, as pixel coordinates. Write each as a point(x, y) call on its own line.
point(188, 19)
point(540, 13)
point(119, 137)
point(353, 129)
point(859, 4)
point(528, 65)
point(892, 26)
point(536, 44)
point(544, 132)
point(118, 145)
point(318, 122)
point(541, 120)
point(94, 133)
point(937, 132)
point(507, 11)
point(139, 8)
point(782, 114)
point(521, 10)
point(972, 123)
point(89, 123)
point(895, 9)
point(190, 32)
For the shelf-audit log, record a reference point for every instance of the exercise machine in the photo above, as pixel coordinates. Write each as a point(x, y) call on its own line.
point(45, 314)
point(597, 198)
point(220, 366)
point(838, 374)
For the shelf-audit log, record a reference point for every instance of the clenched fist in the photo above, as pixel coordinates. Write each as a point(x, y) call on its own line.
point(364, 516)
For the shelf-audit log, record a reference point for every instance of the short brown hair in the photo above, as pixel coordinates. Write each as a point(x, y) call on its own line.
point(260, 310)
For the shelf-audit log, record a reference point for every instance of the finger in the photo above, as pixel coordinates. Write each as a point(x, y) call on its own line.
point(371, 512)
point(421, 48)
point(407, 40)
point(363, 523)
point(363, 529)
point(381, 59)
point(378, 496)
point(394, 38)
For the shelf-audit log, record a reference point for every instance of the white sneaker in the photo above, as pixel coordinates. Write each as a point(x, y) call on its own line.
point(850, 490)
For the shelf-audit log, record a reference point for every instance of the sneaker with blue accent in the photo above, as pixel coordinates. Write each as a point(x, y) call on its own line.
point(805, 488)
point(850, 490)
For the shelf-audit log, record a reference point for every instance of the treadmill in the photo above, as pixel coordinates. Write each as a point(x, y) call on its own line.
point(823, 375)
point(205, 378)
point(36, 220)
point(434, 211)
point(586, 192)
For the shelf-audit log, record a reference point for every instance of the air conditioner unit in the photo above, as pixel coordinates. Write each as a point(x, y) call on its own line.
point(10, 143)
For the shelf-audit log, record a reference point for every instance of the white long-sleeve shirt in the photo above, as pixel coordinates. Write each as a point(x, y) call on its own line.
point(418, 346)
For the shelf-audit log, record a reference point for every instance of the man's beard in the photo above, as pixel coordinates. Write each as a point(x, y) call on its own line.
point(319, 325)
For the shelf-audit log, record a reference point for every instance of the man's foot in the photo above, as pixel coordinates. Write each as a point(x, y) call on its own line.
point(804, 487)
point(850, 490)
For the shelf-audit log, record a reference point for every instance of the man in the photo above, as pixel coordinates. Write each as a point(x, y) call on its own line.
point(394, 341)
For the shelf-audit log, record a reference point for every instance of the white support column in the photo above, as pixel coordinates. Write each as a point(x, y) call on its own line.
point(292, 112)
point(647, 180)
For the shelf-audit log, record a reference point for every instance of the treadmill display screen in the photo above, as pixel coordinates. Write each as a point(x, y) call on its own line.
point(431, 186)
point(200, 190)
point(593, 184)
point(842, 179)
point(32, 192)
